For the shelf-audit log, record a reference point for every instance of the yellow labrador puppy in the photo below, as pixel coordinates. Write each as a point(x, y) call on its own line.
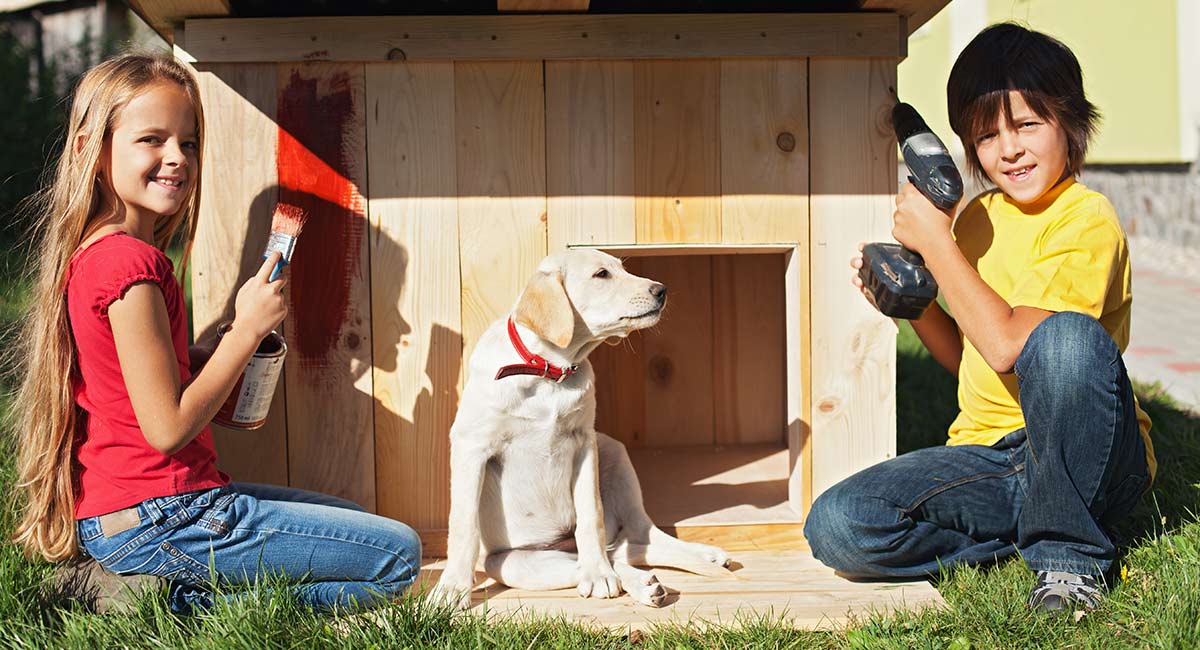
point(554, 503)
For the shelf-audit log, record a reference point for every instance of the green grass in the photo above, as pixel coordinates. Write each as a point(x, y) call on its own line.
point(1157, 606)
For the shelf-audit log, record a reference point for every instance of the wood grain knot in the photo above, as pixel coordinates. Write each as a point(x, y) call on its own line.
point(396, 54)
point(828, 405)
point(785, 141)
point(661, 369)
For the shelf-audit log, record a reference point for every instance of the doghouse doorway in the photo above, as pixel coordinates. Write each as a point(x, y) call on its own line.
point(708, 402)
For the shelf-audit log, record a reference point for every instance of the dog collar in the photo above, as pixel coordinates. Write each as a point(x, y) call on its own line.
point(534, 364)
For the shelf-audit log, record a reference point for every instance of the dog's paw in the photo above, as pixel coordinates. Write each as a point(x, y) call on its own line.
point(715, 556)
point(649, 592)
point(601, 582)
point(454, 594)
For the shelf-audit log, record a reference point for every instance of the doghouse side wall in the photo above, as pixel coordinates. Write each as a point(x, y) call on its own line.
point(436, 188)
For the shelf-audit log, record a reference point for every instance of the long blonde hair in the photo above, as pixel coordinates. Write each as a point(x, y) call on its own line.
point(48, 422)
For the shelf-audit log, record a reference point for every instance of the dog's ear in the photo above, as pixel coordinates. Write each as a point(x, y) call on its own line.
point(545, 309)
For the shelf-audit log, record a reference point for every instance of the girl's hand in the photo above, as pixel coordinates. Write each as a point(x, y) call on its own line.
point(260, 306)
point(917, 223)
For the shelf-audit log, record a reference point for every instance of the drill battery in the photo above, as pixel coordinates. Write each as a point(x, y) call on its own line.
point(900, 286)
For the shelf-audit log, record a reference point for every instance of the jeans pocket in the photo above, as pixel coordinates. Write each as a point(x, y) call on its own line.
point(216, 517)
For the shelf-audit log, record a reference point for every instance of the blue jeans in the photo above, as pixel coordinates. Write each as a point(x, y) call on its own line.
point(1047, 491)
point(336, 554)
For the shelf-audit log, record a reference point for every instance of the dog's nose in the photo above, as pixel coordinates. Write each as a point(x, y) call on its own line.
point(658, 290)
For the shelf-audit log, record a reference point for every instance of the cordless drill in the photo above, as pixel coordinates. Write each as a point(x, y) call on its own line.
point(896, 277)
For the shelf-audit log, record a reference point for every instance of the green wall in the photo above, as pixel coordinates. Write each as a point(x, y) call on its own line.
point(1128, 52)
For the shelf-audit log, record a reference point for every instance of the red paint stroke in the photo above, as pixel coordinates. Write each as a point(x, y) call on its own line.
point(314, 164)
point(1186, 366)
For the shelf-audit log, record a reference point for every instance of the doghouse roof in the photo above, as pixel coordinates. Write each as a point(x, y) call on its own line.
point(164, 15)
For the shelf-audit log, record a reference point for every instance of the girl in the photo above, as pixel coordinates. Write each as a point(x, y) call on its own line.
point(115, 455)
point(1049, 447)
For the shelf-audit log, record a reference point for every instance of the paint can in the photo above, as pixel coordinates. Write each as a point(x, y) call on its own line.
point(250, 401)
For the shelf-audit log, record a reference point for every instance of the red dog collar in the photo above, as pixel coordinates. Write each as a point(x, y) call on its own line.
point(534, 364)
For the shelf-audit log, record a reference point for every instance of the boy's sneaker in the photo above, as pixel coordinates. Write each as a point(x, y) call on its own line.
point(1059, 590)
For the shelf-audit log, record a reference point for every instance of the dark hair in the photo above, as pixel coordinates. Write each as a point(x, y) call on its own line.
point(1005, 57)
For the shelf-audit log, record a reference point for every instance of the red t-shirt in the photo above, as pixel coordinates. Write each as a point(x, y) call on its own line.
point(117, 467)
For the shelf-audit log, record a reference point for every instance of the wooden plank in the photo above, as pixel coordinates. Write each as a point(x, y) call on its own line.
point(798, 333)
point(917, 12)
point(162, 15)
point(236, 203)
point(322, 169)
point(677, 151)
point(677, 353)
point(415, 290)
point(589, 153)
point(749, 367)
point(764, 187)
point(744, 537)
point(764, 151)
point(543, 37)
point(790, 586)
point(658, 250)
point(500, 131)
point(542, 5)
point(853, 346)
point(433, 542)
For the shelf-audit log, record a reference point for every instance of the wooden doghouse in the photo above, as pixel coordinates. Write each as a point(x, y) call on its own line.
point(737, 157)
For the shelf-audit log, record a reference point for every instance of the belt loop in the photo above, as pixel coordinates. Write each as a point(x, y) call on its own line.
point(152, 511)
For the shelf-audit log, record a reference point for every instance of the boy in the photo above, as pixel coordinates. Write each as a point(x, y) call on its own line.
point(1049, 446)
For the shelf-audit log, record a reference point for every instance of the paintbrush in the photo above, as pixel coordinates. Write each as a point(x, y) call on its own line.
point(285, 229)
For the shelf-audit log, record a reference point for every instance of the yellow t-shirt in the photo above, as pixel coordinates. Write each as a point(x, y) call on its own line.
point(1065, 253)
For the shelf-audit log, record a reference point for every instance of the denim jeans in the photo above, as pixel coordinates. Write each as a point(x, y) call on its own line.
point(336, 554)
point(1046, 491)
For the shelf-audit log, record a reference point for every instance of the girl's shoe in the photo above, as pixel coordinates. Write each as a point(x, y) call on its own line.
point(98, 588)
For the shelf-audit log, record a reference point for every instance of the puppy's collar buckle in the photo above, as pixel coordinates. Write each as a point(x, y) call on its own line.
point(534, 364)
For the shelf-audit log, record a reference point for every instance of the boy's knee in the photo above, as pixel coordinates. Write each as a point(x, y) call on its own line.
point(1066, 349)
point(834, 531)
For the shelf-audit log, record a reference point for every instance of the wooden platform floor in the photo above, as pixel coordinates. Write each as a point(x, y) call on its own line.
point(790, 584)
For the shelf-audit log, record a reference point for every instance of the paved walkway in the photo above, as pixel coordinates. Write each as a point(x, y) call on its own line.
point(1164, 342)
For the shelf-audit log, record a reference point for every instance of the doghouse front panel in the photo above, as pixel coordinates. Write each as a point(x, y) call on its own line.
point(476, 170)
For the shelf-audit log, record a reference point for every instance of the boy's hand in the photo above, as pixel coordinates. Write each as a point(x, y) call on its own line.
point(856, 263)
point(917, 223)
